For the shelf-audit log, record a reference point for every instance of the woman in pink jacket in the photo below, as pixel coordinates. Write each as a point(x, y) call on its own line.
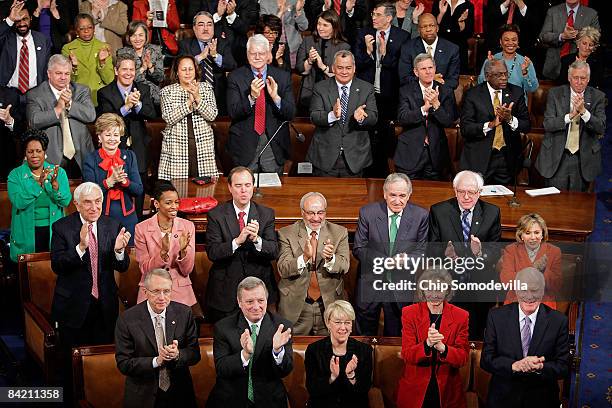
point(168, 242)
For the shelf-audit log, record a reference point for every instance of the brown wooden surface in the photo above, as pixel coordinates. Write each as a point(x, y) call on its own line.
point(569, 215)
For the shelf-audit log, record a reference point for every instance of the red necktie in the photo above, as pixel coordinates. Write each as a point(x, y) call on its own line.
point(584, 2)
point(93, 256)
point(511, 12)
point(24, 67)
point(382, 36)
point(260, 111)
point(241, 215)
point(337, 6)
point(565, 49)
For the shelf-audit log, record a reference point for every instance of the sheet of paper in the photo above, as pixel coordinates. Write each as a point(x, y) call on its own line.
point(543, 191)
point(304, 168)
point(495, 190)
point(159, 18)
point(268, 180)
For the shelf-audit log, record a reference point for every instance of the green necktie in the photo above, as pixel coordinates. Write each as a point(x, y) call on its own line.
point(392, 232)
point(250, 394)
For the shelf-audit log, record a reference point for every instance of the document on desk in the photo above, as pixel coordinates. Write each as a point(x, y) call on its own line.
point(268, 180)
point(495, 190)
point(542, 191)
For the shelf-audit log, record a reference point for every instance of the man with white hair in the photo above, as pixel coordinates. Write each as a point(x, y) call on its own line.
point(259, 100)
point(574, 120)
point(62, 109)
point(526, 376)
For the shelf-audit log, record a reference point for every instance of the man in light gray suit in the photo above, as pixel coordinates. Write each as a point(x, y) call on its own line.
point(574, 121)
point(343, 109)
point(559, 31)
point(62, 110)
point(313, 259)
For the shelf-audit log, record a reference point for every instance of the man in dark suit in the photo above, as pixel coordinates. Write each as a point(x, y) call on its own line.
point(237, 17)
point(342, 109)
point(384, 230)
point(12, 124)
point(155, 343)
point(377, 52)
point(465, 226)
point(493, 116)
point(211, 48)
point(574, 121)
point(525, 14)
point(86, 250)
point(259, 100)
point(526, 348)
point(134, 105)
point(445, 53)
point(352, 14)
point(240, 241)
point(426, 107)
point(252, 350)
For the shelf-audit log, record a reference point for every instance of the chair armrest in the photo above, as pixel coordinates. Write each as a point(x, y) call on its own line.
point(375, 398)
point(40, 320)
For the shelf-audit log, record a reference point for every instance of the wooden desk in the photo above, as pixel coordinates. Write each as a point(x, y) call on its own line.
point(569, 216)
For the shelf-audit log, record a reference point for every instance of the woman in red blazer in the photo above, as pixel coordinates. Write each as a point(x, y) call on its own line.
point(168, 39)
point(529, 250)
point(168, 242)
point(434, 348)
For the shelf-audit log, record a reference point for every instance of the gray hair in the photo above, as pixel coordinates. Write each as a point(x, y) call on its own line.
point(396, 177)
point(160, 272)
point(124, 57)
point(339, 308)
point(531, 277)
point(202, 13)
point(579, 64)
point(389, 8)
point(477, 177)
point(86, 188)
point(434, 275)
point(423, 57)
point(592, 33)
point(343, 54)
point(250, 283)
point(58, 59)
point(312, 194)
point(258, 40)
point(488, 65)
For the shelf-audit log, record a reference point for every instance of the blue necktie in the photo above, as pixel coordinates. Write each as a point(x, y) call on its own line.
point(465, 225)
point(344, 104)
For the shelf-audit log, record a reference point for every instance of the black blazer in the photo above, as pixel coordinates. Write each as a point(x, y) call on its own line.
point(449, 28)
point(341, 393)
point(74, 281)
point(111, 100)
point(228, 268)
point(230, 390)
point(502, 347)
point(9, 156)
point(348, 24)
point(243, 139)
point(478, 109)
point(415, 126)
point(366, 65)
point(8, 54)
point(135, 347)
point(224, 38)
point(446, 58)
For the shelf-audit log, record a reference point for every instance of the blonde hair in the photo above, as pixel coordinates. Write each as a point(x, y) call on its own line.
point(526, 221)
point(592, 33)
point(339, 308)
point(108, 121)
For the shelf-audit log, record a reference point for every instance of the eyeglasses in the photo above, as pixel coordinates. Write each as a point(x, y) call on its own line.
point(377, 15)
point(270, 32)
point(346, 323)
point(157, 292)
point(470, 193)
point(313, 213)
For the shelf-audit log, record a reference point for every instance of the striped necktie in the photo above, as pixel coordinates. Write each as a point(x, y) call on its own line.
point(24, 67)
point(526, 335)
point(250, 390)
point(465, 225)
point(344, 104)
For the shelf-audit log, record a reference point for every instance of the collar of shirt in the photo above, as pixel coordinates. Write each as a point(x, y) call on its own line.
point(531, 253)
point(95, 225)
point(238, 210)
point(433, 46)
point(390, 213)
point(123, 90)
point(309, 231)
point(56, 93)
point(153, 314)
point(460, 2)
point(572, 96)
point(348, 86)
point(387, 31)
point(264, 72)
point(28, 38)
point(575, 8)
point(250, 323)
point(471, 210)
point(203, 44)
point(492, 93)
point(423, 87)
point(532, 317)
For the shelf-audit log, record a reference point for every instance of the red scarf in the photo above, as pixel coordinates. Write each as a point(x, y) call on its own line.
point(107, 163)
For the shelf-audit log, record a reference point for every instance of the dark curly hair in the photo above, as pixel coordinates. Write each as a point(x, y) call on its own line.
point(34, 134)
point(161, 187)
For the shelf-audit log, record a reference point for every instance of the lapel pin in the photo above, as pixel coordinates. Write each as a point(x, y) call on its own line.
point(175, 235)
point(476, 222)
point(588, 103)
point(173, 322)
point(38, 48)
point(124, 157)
point(507, 95)
point(357, 90)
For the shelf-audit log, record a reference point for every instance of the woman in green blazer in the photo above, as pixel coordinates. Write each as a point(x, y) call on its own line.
point(39, 193)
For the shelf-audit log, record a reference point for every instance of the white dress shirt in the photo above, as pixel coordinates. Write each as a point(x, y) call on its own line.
point(532, 317)
point(14, 81)
point(278, 358)
point(513, 122)
point(118, 255)
point(258, 242)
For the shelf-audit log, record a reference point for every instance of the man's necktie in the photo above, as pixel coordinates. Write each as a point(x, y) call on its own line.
point(314, 291)
point(337, 4)
point(24, 67)
point(498, 141)
point(511, 12)
point(573, 138)
point(567, 45)
point(208, 69)
point(241, 224)
point(260, 110)
point(526, 335)
point(430, 50)
point(68, 145)
point(344, 104)
point(93, 257)
point(250, 393)
point(392, 232)
point(465, 225)
point(160, 338)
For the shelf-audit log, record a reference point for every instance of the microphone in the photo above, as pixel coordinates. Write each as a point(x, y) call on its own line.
point(258, 192)
point(298, 135)
point(525, 164)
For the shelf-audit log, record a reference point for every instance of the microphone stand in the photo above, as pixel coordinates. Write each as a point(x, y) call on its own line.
point(258, 192)
point(514, 201)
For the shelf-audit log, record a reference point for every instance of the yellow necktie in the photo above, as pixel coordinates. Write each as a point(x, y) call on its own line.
point(498, 141)
point(68, 145)
point(573, 138)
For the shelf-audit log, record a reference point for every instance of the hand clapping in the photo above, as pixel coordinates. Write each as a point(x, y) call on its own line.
point(280, 338)
point(122, 240)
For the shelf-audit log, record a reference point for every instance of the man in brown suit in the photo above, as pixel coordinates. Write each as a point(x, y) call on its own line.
point(314, 256)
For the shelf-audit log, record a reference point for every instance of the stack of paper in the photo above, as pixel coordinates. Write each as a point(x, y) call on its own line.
point(495, 190)
point(542, 191)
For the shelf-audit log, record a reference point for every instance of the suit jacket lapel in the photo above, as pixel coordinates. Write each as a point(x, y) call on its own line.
point(455, 219)
point(333, 92)
point(538, 331)
point(12, 50)
point(146, 324)
point(382, 224)
point(447, 322)
point(231, 220)
point(153, 230)
point(266, 331)
point(476, 219)
point(423, 322)
point(487, 99)
point(515, 331)
point(352, 102)
point(170, 323)
point(405, 224)
point(323, 236)
point(252, 215)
